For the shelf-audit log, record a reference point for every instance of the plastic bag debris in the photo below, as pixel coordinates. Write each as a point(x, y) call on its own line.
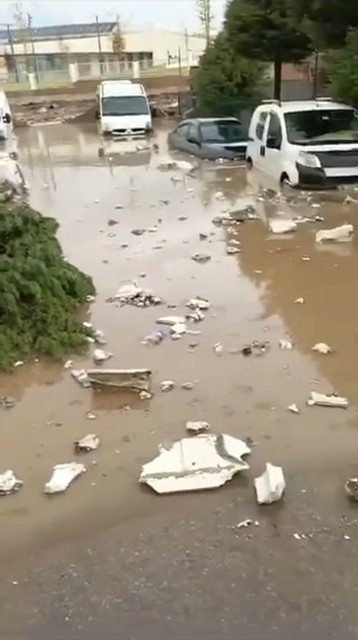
point(132, 294)
point(90, 442)
point(282, 226)
point(171, 320)
point(285, 344)
point(202, 258)
point(293, 408)
point(344, 233)
point(81, 376)
point(323, 400)
point(154, 338)
point(134, 379)
point(198, 303)
point(9, 483)
point(166, 385)
point(351, 488)
point(196, 427)
point(322, 347)
point(271, 485)
point(63, 475)
point(193, 464)
point(100, 356)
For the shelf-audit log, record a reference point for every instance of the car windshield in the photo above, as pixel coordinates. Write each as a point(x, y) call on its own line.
point(124, 106)
point(322, 126)
point(221, 131)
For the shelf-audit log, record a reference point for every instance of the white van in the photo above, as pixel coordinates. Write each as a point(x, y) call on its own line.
point(305, 143)
point(123, 108)
point(6, 124)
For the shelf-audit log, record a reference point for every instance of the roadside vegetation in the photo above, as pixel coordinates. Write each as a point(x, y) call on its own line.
point(261, 35)
point(40, 292)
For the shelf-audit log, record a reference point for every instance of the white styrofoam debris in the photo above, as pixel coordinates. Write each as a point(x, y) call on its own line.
point(90, 442)
point(171, 320)
point(323, 400)
point(199, 426)
point(193, 464)
point(344, 233)
point(81, 376)
point(271, 485)
point(9, 483)
point(282, 226)
point(293, 408)
point(62, 476)
point(322, 347)
point(285, 344)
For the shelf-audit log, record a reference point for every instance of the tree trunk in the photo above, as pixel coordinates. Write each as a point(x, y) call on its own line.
point(277, 78)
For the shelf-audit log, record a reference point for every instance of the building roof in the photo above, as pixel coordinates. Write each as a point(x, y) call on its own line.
point(61, 31)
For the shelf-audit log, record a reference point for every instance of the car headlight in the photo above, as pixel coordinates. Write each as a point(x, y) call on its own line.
point(309, 160)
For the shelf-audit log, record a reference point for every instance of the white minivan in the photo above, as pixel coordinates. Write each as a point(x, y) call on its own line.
point(123, 109)
point(305, 143)
point(6, 124)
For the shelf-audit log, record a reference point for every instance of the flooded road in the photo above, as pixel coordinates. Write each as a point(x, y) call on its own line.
point(252, 296)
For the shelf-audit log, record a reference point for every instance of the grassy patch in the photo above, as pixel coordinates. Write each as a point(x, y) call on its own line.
point(39, 291)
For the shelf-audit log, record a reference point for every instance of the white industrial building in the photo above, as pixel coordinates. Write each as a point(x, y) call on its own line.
point(92, 48)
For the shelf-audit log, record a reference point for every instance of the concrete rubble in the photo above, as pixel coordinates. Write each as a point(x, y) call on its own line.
point(80, 375)
point(200, 426)
point(198, 303)
point(271, 485)
point(323, 400)
point(344, 233)
point(100, 356)
point(90, 442)
point(132, 379)
point(279, 227)
point(194, 464)
point(62, 476)
point(9, 483)
point(131, 294)
point(201, 258)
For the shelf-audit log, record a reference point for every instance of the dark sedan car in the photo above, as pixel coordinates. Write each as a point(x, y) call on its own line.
point(210, 138)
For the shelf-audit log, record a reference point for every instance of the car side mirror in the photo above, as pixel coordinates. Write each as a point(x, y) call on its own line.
point(273, 142)
point(6, 118)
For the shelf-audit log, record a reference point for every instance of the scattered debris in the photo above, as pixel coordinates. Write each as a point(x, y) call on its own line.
point(299, 301)
point(100, 356)
point(166, 385)
point(198, 303)
point(282, 226)
point(68, 365)
point(322, 347)
point(241, 215)
point(192, 464)
point(178, 330)
point(81, 376)
point(351, 488)
point(197, 427)
point(176, 165)
point(130, 293)
point(138, 232)
point(232, 250)
point(247, 523)
point(7, 402)
point(203, 236)
point(256, 348)
point(285, 344)
point(271, 485)
point(171, 320)
point(323, 400)
point(90, 442)
point(343, 233)
point(62, 476)
point(154, 338)
point(90, 298)
point(201, 258)
point(293, 408)
point(219, 195)
point(218, 348)
point(112, 222)
point(9, 483)
point(134, 379)
point(195, 316)
point(91, 416)
point(145, 395)
point(187, 386)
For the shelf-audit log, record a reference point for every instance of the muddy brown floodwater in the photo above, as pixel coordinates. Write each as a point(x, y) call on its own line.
point(252, 296)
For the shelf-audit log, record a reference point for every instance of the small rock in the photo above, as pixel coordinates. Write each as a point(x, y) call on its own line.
point(119, 206)
point(111, 222)
point(201, 258)
point(203, 236)
point(137, 232)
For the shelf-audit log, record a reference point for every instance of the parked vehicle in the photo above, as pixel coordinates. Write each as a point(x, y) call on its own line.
point(210, 138)
point(307, 143)
point(123, 109)
point(6, 124)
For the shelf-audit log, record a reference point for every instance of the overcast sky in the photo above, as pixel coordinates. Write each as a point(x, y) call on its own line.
point(133, 13)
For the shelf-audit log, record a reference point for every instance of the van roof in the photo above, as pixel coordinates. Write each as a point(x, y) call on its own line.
point(121, 88)
point(304, 105)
